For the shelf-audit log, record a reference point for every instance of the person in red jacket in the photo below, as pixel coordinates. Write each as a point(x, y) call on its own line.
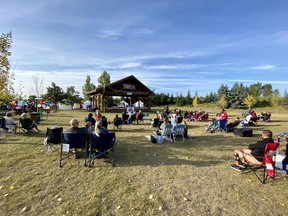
point(223, 119)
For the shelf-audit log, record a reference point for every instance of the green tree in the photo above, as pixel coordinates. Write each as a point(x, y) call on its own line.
point(104, 79)
point(267, 90)
point(6, 77)
point(88, 86)
point(250, 100)
point(72, 96)
point(285, 97)
point(275, 99)
point(237, 94)
point(255, 89)
point(188, 98)
point(54, 94)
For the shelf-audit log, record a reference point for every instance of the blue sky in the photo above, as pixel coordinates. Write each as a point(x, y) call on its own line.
point(172, 46)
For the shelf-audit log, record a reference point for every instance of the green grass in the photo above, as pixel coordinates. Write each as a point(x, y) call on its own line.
point(191, 178)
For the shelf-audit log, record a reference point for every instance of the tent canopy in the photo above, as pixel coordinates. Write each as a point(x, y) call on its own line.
point(139, 104)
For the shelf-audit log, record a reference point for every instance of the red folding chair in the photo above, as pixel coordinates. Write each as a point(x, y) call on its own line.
point(267, 167)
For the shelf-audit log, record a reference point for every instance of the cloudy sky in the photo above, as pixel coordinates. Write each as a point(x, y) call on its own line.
point(172, 46)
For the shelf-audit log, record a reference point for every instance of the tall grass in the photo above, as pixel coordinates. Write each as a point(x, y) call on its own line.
point(191, 178)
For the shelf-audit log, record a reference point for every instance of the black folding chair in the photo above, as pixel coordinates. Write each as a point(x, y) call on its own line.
point(102, 147)
point(72, 144)
point(53, 139)
point(3, 128)
point(25, 126)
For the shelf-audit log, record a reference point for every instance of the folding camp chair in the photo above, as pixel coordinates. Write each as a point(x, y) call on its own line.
point(103, 146)
point(53, 139)
point(267, 166)
point(25, 126)
point(178, 133)
point(3, 128)
point(167, 133)
point(71, 144)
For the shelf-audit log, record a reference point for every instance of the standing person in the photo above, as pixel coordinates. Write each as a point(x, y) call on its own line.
point(254, 153)
point(223, 119)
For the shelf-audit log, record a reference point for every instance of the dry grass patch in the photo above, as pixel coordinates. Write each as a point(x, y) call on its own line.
point(191, 178)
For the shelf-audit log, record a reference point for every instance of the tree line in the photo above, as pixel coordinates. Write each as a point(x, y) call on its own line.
point(238, 96)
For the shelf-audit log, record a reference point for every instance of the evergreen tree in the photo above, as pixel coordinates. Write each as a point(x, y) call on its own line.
point(188, 98)
point(104, 79)
point(88, 86)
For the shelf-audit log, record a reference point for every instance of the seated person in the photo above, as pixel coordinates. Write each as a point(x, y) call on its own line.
point(162, 126)
point(10, 123)
point(125, 117)
point(213, 126)
point(27, 123)
point(90, 119)
point(99, 129)
point(139, 116)
point(132, 118)
point(74, 126)
point(254, 153)
point(117, 121)
point(89, 127)
point(285, 160)
point(97, 115)
point(104, 122)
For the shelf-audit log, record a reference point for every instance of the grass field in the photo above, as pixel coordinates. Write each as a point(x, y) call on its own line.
point(191, 178)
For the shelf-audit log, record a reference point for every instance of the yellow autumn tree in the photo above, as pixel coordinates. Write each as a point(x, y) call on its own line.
point(195, 102)
point(250, 101)
point(223, 103)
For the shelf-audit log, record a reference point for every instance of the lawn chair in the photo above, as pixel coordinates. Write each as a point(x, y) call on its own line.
point(178, 133)
point(26, 127)
point(267, 166)
point(3, 128)
point(72, 143)
point(53, 139)
point(102, 147)
point(167, 133)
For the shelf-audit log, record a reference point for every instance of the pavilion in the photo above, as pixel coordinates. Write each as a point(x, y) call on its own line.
point(129, 89)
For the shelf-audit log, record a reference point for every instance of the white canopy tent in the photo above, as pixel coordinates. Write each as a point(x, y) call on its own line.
point(139, 104)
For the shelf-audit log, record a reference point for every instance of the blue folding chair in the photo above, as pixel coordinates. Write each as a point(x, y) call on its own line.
point(72, 143)
point(102, 147)
point(179, 133)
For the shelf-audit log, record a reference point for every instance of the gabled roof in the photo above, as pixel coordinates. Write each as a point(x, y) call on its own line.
point(128, 86)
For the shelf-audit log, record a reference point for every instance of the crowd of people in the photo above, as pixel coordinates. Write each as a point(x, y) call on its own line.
point(98, 124)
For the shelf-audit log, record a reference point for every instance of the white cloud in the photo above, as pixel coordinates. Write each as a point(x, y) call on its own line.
point(143, 32)
point(108, 34)
point(264, 67)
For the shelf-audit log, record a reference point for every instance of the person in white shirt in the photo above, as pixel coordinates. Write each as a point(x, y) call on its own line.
point(10, 123)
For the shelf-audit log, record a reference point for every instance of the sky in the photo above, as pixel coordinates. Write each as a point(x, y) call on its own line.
point(172, 46)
